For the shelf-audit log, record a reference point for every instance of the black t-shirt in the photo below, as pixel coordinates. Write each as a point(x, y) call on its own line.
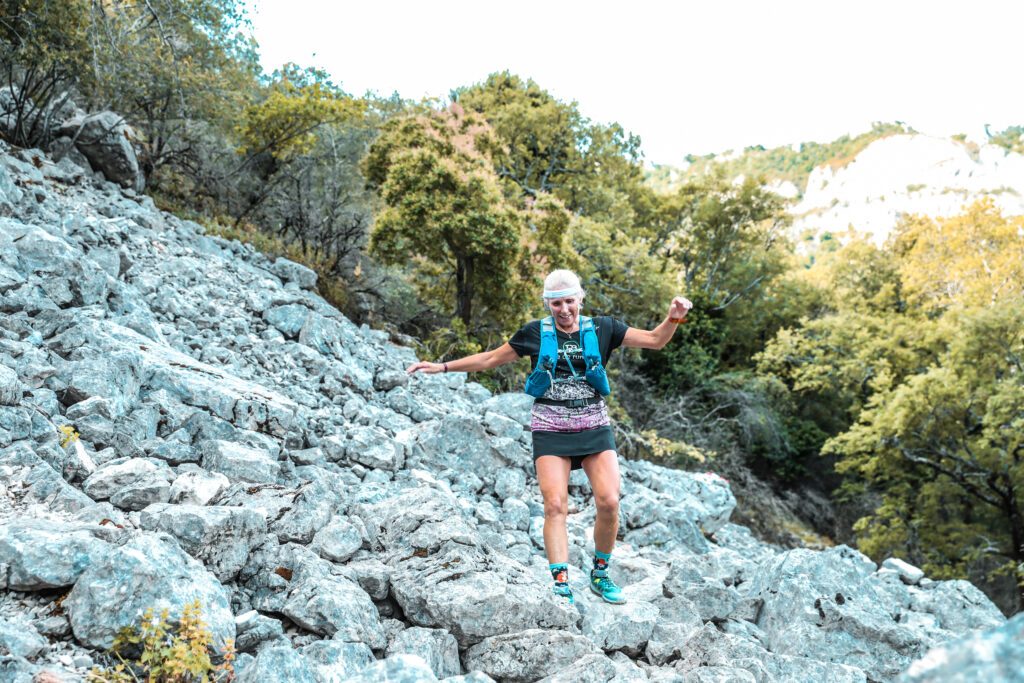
point(526, 342)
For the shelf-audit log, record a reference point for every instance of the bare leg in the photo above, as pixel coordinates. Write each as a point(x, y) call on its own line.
point(553, 477)
point(603, 471)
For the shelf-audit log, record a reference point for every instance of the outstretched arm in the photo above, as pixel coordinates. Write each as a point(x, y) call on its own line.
point(478, 361)
point(659, 336)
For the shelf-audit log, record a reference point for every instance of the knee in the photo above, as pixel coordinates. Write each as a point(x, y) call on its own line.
point(556, 507)
point(607, 503)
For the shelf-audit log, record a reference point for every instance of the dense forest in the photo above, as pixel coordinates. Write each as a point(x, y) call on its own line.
point(890, 376)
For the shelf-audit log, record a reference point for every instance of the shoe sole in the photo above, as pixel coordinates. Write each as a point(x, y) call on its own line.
point(610, 602)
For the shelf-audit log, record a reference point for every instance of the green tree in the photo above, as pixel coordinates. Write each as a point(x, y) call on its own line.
point(300, 147)
point(914, 370)
point(43, 53)
point(721, 245)
point(180, 71)
point(946, 449)
point(445, 214)
point(542, 145)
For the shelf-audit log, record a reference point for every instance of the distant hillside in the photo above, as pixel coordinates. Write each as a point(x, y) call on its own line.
point(868, 182)
point(779, 165)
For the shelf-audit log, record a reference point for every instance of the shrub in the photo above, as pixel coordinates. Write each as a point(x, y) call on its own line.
point(167, 653)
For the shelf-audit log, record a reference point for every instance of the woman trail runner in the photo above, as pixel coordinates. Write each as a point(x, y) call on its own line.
point(569, 419)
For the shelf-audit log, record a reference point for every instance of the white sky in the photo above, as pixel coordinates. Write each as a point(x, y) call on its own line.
point(693, 76)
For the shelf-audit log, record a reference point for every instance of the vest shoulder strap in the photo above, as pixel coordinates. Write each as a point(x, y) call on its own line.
point(591, 347)
point(548, 356)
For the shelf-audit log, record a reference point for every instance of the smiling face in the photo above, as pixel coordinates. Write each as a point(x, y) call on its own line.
point(566, 312)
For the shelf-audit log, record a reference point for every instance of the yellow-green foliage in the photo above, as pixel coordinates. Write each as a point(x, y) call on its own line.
point(295, 105)
point(1011, 139)
point(973, 259)
point(917, 368)
point(68, 435)
point(168, 654)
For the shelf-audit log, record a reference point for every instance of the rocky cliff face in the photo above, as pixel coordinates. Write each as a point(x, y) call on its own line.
point(907, 174)
point(243, 444)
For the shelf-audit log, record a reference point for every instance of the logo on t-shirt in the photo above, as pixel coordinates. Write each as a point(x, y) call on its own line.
point(571, 350)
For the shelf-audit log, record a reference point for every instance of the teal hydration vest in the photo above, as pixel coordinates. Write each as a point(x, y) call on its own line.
point(543, 375)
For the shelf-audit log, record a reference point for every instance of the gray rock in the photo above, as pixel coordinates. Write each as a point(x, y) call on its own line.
point(104, 139)
point(10, 387)
point(597, 668)
point(289, 271)
point(515, 405)
point(713, 600)
point(709, 647)
point(330, 605)
point(510, 483)
point(992, 655)
point(908, 572)
point(959, 606)
point(501, 426)
point(718, 674)
point(423, 534)
point(471, 677)
point(821, 605)
point(17, 669)
point(386, 380)
point(401, 668)
point(138, 494)
point(620, 627)
point(311, 507)
point(435, 646)
point(111, 477)
point(19, 638)
point(252, 629)
point(147, 571)
point(240, 463)
point(94, 405)
point(336, 661)
point(454, 442)
point(198, 487)
point(527, 655)
point(280, 664)
point(372, 447)
point(338, 541)
point(678, 620)
point(41, 554)
point(372, 575)
point(219, 536)
point(288, 319)
point(515, 514)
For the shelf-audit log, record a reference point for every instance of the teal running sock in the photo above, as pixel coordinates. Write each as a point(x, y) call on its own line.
point(560, 573)
point(601, 561)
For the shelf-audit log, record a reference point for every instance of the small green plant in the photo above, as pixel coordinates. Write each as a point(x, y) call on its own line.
point(68, 435)
point(168, 654)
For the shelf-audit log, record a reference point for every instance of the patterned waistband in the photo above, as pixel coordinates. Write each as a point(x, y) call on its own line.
point(569, 403)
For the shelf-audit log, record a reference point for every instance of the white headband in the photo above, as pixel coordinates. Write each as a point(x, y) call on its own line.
point(559, 293)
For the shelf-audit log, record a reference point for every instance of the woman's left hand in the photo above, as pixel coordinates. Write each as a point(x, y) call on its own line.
point(679, 307)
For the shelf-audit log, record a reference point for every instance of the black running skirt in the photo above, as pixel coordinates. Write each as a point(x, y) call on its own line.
point(574, 445)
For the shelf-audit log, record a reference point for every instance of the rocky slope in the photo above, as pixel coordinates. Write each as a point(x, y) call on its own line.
point(907, 174)
point(243, 444)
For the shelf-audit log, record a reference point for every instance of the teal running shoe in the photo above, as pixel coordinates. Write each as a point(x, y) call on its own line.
point(603, 585)
point(565, 593)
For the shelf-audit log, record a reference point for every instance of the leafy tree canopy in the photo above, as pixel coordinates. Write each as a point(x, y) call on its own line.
point(444, 213)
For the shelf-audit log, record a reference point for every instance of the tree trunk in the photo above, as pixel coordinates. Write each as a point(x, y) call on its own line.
point(464, 289)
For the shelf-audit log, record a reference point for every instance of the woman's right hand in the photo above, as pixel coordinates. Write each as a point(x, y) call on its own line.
point(426, 367)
